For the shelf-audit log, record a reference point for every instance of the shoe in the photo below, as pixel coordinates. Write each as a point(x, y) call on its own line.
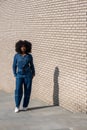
point(25, 108)
point(16, 109)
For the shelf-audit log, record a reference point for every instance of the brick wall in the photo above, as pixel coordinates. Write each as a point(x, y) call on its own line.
point(57, 30)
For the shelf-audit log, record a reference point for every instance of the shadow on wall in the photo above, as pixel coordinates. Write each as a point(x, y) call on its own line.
point(56, 87)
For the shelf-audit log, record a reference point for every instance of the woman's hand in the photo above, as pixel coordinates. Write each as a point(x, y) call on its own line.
point(33, 76)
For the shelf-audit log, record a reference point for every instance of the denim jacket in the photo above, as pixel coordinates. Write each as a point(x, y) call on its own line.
point(23, 65)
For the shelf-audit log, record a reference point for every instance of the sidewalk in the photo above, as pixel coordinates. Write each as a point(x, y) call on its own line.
point(39, 116)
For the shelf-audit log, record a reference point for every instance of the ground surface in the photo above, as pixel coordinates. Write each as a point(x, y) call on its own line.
point(39, 116)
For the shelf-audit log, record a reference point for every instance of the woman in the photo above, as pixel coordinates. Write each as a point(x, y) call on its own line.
point(24, 71)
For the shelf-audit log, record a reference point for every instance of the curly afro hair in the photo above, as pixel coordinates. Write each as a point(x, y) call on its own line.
point(21, 43)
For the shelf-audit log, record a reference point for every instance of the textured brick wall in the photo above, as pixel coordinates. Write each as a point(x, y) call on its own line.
point(58, 32)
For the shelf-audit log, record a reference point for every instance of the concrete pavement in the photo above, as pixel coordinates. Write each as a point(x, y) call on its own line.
point(39, 116)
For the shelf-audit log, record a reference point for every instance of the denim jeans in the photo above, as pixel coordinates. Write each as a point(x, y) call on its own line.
point(21, 82)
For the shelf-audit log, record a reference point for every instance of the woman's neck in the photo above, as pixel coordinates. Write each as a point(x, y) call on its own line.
point(23, 53)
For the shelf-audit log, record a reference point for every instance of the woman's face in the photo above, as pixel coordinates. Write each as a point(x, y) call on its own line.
point(23, 48)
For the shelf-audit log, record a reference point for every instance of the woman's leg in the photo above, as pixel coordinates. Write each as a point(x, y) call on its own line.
point(18, 91)
point(27, 90)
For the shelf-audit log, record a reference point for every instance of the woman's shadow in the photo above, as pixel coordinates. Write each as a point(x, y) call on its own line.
point(55, 92)
point(56, 87)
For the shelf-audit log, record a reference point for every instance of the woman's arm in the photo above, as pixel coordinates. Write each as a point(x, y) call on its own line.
point(14, 65)
point(32, 66)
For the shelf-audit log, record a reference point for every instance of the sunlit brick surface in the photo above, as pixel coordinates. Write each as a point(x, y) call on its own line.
point(58, 32)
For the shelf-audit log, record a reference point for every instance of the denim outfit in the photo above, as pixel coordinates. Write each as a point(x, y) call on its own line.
point(23, 70)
